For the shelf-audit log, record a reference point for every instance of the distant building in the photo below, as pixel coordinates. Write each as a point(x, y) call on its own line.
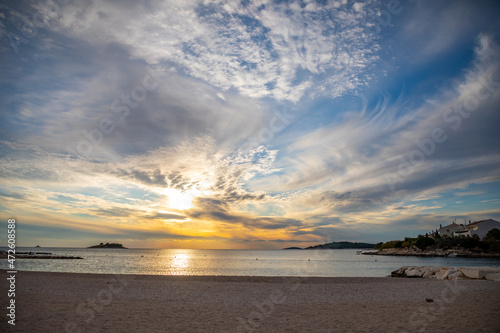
point(479, 228)
point(449, 229)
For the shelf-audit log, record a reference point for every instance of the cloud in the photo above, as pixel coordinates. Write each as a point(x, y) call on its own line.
point(153, 178)
point(12, 195)
point(355, 152)
point(63, 198)
point(219, 211)
point(463, 194)
point(259, 48)
point(445, 27)
point(201, 155)
point(166, 216)
point(113, 212)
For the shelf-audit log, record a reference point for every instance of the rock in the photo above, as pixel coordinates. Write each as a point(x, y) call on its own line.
point(455, 276)
point(408, 270)
point(399, 272)
point(470, 273)
point(474, 273)
point(414, 273)
point(448, 273)
point(443, 274)
point(429, 300)
point(492, 277)
point(427, 274)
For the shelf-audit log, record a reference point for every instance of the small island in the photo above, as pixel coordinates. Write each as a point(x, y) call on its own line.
point(342, 245)
point(107, 246)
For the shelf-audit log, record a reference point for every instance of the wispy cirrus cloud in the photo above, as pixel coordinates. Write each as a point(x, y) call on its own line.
point(261, 48)
point(354, 153)
point(201, 158)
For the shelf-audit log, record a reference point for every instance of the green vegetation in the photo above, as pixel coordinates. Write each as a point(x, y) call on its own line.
point(492, 238)
point(491, 242)
point(423, 242)
point(107, 246)
point(493, 234)
point(342, 245)
point(388, 245)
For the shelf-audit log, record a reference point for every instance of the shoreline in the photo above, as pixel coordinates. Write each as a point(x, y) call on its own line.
point(80, 302)
point(455, 253)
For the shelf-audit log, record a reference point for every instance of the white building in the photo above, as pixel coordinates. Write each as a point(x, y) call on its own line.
point(449, 229)
point(479, 228)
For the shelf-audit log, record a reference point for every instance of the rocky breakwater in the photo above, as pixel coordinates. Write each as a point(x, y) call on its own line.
point(36, 255)
point(448, 273)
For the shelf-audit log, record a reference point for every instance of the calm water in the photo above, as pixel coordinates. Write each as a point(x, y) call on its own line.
point(230, 262)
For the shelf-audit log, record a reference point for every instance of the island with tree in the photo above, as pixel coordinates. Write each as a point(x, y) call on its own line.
point(342, 245)
point(107, 246)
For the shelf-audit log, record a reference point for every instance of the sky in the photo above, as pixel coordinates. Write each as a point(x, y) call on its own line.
point(246, 124)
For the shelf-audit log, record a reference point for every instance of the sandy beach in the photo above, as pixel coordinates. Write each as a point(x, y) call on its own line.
point(66, 302)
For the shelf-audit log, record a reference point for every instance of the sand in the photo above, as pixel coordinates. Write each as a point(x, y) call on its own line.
point(66, 302)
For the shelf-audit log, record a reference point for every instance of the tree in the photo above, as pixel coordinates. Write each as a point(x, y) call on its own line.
point(493, 234)
point(423, 242)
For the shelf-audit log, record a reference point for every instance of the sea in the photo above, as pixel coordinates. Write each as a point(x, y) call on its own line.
point(320, 263)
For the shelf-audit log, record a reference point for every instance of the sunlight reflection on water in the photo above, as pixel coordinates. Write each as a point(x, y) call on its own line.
point(180, 262)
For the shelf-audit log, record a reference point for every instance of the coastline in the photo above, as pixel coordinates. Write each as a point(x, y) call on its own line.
point(412, 252)
point(75, 302)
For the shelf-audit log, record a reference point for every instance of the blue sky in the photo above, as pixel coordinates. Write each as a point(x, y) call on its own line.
point(247, 124)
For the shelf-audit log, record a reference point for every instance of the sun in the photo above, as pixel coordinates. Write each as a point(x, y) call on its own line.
point(179, 200)
point(183, 199)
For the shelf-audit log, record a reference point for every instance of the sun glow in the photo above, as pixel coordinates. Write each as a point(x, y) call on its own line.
point(181, 261)
point(178, 199)
point(182, 200)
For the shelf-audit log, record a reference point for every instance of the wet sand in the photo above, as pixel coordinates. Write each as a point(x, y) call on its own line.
point(67, 302)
